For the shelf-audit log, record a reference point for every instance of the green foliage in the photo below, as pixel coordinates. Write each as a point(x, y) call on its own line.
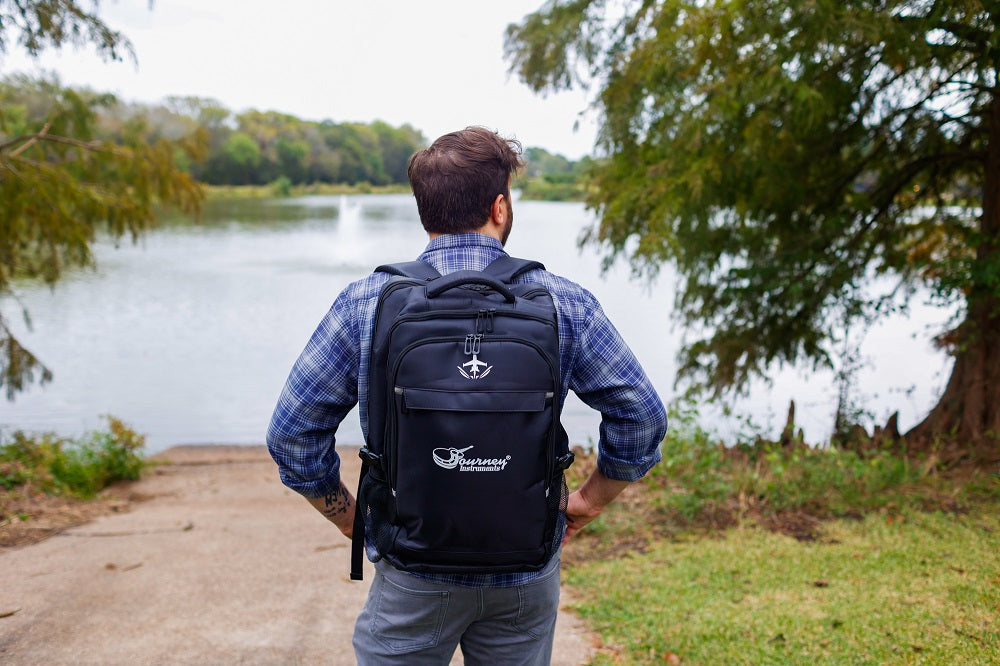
point(540, 162)
point(64, 178)
point(781, 154)
point(920, 588)
point(250, 148)
point(242, 150)
point(80, 467)
point(37, 26)
point(282, 187)
point(833, 481)
point(703, 482)
point(292, 156)
point(693, 462)
point(258, 147)
point(553, 187)
point(552, 177)
point(325, 189)
point(396, 145)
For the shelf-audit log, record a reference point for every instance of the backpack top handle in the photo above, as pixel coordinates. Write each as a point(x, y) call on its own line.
point(459, 278)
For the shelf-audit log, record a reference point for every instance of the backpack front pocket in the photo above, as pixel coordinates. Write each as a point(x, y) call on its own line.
point(468, 456)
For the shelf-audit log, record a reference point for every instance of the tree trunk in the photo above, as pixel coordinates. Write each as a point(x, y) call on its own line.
point(966, 420)
point(968, 415)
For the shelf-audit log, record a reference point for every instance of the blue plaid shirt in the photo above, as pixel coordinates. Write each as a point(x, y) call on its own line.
point(331, 376)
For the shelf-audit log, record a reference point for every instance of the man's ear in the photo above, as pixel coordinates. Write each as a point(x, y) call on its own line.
point(498, 211)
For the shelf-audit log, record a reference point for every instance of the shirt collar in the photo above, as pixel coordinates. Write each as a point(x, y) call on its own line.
point(469, 239)
point(457, 252)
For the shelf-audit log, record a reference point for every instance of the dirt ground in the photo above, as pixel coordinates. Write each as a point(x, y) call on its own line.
point(218, 564)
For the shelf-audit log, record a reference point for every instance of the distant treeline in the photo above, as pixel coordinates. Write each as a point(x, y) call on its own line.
point(261, 147)
point(552, 177)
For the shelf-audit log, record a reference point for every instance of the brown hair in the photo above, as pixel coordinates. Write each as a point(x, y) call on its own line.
point(456, 180)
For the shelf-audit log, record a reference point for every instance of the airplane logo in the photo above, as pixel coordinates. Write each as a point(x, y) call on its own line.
point(474, 368)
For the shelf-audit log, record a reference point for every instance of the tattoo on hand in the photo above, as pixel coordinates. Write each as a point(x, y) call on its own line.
point(337, 503)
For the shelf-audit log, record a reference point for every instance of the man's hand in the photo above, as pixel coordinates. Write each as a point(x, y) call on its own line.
point(579, 512)
point(589, 500)
point(338, 507)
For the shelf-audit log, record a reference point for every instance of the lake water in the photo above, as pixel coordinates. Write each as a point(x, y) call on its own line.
point(188, 336)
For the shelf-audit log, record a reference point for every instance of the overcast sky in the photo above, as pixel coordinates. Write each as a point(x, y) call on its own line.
point(436, 64)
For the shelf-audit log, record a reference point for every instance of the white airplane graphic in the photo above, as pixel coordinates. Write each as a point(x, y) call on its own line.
point(473, 366)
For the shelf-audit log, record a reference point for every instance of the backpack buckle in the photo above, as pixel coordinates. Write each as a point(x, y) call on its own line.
point(370, 458)
point(563, 462)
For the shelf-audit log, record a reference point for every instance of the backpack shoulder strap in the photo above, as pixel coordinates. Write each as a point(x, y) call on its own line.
point(419, 270)
point(506, 268)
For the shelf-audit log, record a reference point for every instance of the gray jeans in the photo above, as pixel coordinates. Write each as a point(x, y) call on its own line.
point(410, 620)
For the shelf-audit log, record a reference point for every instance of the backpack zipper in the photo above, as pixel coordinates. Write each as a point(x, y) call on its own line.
point(491, 314)
point(391, 287)
point(386, 289)
point(535, 292)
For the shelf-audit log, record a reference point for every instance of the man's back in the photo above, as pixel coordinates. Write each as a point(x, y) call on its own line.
point(462, 188)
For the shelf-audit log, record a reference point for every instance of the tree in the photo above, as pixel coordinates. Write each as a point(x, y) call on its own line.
point(217, 123)
point(242, 155)
point(293, 155)
point(43, 24)
point(782, 155)
point(397, 144)
point(539, 161)
point(61, 181)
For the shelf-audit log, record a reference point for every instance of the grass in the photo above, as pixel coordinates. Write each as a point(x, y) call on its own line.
point(539, 189)
point(760, 553)
point(552, 187)
point(701, 482)
point(282, 188)
point(914, 588)
point(71, 467)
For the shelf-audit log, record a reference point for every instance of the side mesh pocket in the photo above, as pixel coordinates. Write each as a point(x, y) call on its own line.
point(556, 502)
point(377, 504)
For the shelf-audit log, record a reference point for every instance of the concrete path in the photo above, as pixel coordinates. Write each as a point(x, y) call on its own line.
point(222, 566)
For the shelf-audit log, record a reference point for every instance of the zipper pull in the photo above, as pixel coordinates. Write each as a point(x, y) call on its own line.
point(489, 319)
point(472, 344)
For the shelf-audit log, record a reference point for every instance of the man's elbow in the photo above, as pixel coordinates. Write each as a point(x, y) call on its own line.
point(658, 422)
point(274, 440)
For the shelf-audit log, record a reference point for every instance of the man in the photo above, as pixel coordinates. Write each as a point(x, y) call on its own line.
point(462, 188)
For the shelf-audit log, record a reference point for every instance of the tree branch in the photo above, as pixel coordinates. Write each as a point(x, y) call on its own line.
point(32, 139)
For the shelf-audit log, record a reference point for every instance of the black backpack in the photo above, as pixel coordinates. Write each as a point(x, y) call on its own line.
point(462, 472)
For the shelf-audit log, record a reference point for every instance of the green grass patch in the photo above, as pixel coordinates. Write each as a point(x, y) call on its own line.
point(73, 467)
point(553, 187)
point(921, 588)
point(282, 187)
point(763, 553)
point(702, 482)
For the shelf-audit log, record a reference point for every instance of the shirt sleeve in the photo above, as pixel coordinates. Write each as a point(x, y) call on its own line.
point(320, 391)
point(607, 376)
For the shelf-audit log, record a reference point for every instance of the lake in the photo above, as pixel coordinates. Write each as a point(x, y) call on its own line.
point(189, 334)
